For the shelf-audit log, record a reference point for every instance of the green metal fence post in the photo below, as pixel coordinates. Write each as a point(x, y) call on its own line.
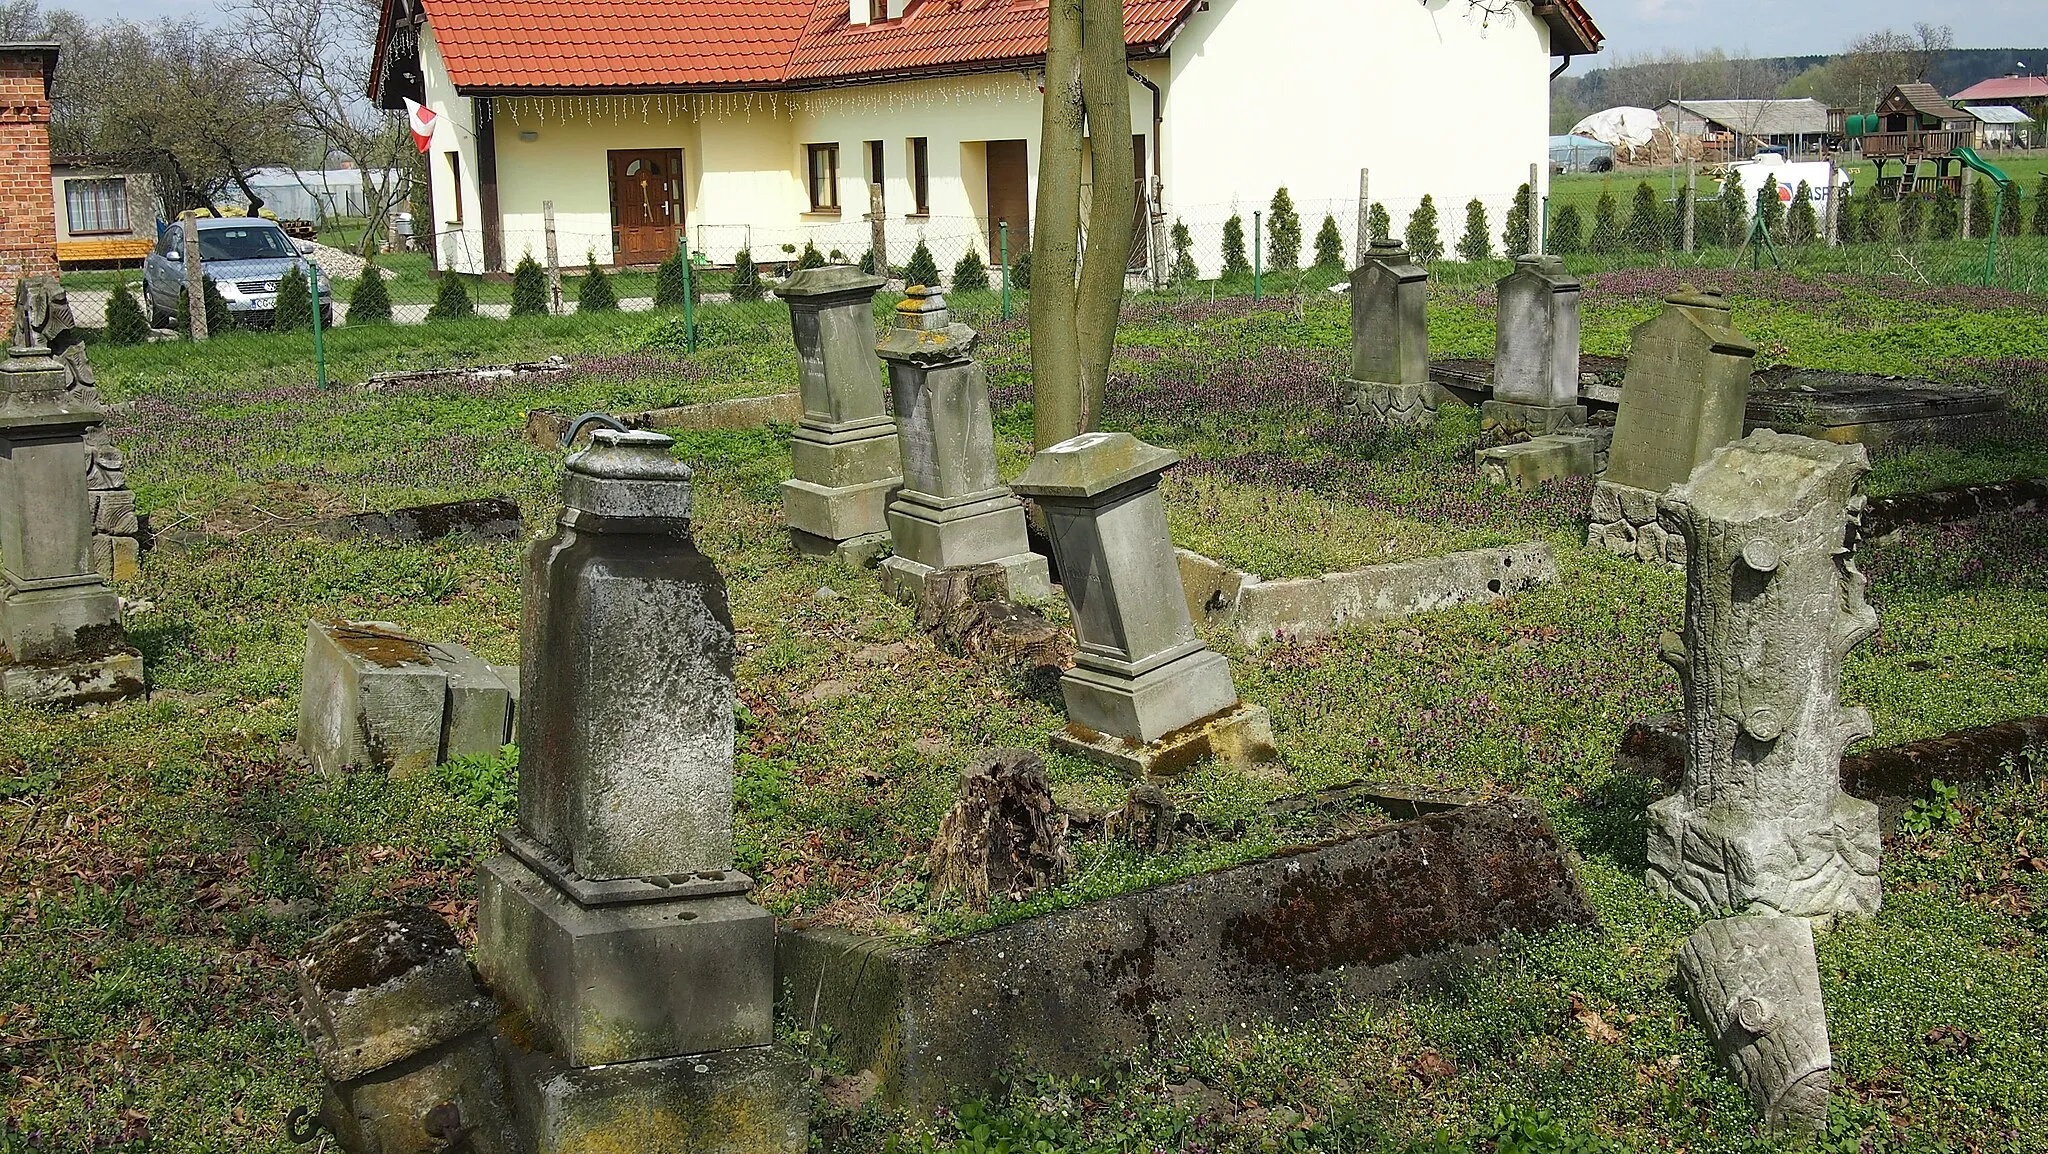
point(1258, 235)
point(1991, 249)
point(1003, 238)
point(319, 341)
point(689, 306)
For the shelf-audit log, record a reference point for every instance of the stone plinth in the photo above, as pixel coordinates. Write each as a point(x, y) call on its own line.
point(1536, 351)
point(116, 527)
point(1141, 673)
point(374, 698)
point(61, 641)
point(750, 1101)
point(953, 510)
point(1390, 339)
point(1754, 985)
point(844, 453)
point(1527, 465)
point(1773, 605)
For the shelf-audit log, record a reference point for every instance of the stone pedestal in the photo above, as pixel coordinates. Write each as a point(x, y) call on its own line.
point(61, 641)
point(844, 453)
point(374, 698)
point(1526, 465)
point(747, 1101)
point(1682, 398)
point(1143, 682)
point(1535, 351)
point(1389, 378)
point(953, 510)
point(1773, 605)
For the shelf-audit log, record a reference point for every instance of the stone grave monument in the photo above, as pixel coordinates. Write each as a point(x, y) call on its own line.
point(1687, 382)
point(1754, 984)
point(615, 924)
point(61, 641)
point(1536, 351)
point(844, 451)
point(375, 698)
point(116, 527)
point(1773, 604)
point(1145, 694)
point(1390, 338)
point(953, 510)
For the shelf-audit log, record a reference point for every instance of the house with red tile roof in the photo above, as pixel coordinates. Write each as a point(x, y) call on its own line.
point(639, 126)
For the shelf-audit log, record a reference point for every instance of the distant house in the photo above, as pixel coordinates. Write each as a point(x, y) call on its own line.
point(2000, 125)
point(2029, 94)
point(106, 214)
point(643, 125)
point(1739, 129)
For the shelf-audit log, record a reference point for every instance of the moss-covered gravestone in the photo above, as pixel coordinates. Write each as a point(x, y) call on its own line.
point(844, 452)
point(1390, 338)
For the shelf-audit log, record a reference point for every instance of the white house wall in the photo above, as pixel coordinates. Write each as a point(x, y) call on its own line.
point(456, 246)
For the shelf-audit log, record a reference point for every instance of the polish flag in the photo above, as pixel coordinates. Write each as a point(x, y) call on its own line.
point(421, 119)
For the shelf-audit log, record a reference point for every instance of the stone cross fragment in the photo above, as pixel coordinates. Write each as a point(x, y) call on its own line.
point(1390, 338)
point(953, 510)
point(844, 452)
point(1682, 398)
point(1145, 693)
point(1536, 351)
point(1773, 605)
point(1753, 983)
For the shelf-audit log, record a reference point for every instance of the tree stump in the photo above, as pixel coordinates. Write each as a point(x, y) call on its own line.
point(965, 611)
point(1004, 835)
point(1147, 820)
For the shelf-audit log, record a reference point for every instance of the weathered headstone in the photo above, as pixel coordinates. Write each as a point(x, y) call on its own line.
point(1753, 984)
point(1773, 605)
point(615, 923)
point(375, 698)
point(61, 641)
point(844, 452)
point(953, 510)
point(1688, 378)
point(116, 527)
point(1390, 338)
point(1145, 694)
point(1536, 351)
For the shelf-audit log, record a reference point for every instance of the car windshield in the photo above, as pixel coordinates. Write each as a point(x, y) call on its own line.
point(255, 242)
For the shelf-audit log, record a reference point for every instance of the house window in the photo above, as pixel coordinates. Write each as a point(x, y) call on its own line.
point(98, 205)
point(824, 170)
point(878, 11)
point(455, 182)
point(920, 174)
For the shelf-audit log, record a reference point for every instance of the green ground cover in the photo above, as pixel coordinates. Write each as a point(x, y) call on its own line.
point(166, 857)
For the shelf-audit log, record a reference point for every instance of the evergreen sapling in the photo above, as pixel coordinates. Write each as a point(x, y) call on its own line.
point(294, 309)
point(922, 269)
point(529, 288)
point(1514, 234)
point(1567, 232)
point(1606, 237)
point(1801, 225)
point(125, 323)
point(970, 274)
point(1980, 209)
point(1424, 245)
point(1912, 219)
point(370, 303)
point(1770, 208)
point(1645, 229)
point(1283, 233)
point(746, 279)
point(673, 284)
point(595, 294)
point(1379, 224)
point(811, 257)
point(1329, 244)
point(1734, 211)
point(1475, 244)
point(1947, 217)
point(1234, 262)
point(1184, 270)
point(451, 300)
point(2009, 222)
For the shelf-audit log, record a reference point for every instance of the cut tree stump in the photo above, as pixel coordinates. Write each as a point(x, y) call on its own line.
point(1004, 836)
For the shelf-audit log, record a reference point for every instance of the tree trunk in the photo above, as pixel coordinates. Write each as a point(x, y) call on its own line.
point(1106, 95)
point(1055, 241)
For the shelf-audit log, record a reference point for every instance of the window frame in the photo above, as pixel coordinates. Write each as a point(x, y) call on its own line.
point(921, 175)
point(455, 181)
point(827, 183)
point(119, 202)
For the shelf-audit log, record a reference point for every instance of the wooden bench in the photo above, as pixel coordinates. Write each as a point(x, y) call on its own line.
point(110, 250)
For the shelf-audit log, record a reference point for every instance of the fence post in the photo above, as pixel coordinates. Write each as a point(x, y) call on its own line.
point(1968, 179)
point(689, 302)
point(878, 236)
point(1362, 240)
point(1258, 235)
point(1991, 246)
point(1692, 196)
point(547, 217)
point(1535, 218)
point(1831, 220)
point(1003, 240)
point(1160, 250)
point(195, 280)
point(319, 340)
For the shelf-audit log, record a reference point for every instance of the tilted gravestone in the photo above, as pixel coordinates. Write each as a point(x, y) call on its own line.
point(61, 641)
point(1390, 338)
point(1773, 604)
point(615, 923)
point(1753, 983)
point(953, 510)
point(844, 454)
point(1145, 694)
point(1536, 351)
point(1682, 398)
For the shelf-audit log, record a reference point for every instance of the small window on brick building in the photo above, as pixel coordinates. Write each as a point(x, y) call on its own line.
point(824, 173)
point(96, 205)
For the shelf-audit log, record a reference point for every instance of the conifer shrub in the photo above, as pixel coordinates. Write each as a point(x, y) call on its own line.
point(1980, 209)
point(594, 294)
point(922, 269)
point(1645, 229)
point(811, 257)
point(2041, 206)
point(370, 302)
point(1183, 270)
point(1020, 272)
point(1801, 226)
point(1329, 244)
point(2009, 222)
point(1734, 211)
point(867, 262)
point(1514, 232)
point(970, 274)
point(125, 323)
point(673, 284)
point(1946, 218)
point(1912, 219)
point(293, 311)
point(529, 288)
point(1283, 233)
point(451, 300)
point(1379, 223)
point(218, 318)
point(1567, 232)
point(1475, 244)
point(1606, 238)
point(1873, 220)
point(1424, 245)
point(1770, 208)
point(1234, 262)
point(746, 279)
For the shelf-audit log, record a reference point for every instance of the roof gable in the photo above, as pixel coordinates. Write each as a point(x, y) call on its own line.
point(1924, 99)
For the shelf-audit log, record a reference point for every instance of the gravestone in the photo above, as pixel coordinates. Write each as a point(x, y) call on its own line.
point(1683, 396)
point(61, 641)
point(1389, 377)
point(1145, 694)
point(1536, 351)
point(953, 510)
point(1773, 605)
point(116, 527)
point(375, 698)
point(1753, 983)
point(844, 453)
point(615, 923)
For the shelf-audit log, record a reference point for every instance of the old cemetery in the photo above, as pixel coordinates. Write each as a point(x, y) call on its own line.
point(1536, 714)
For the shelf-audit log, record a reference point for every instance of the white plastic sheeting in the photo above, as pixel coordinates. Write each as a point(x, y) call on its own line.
point(1622, 127)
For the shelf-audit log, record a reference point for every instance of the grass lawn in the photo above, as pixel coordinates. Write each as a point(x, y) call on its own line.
point(168, 857)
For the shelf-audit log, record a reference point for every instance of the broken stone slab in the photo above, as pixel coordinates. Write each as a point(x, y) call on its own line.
point(1753, 983)
point(1278, 940)
point(545, 428)
point(1256, 610)
point(484, 518)
point(374, 698)
point(755, 1100)
point(1886, 515)
point(1004, 835)
point(1528, 465)
point(551, 366)
point(1403, 802)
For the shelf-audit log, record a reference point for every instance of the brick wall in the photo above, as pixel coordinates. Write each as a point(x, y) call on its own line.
point(28, 211)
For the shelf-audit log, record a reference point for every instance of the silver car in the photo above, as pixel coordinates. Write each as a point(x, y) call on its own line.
point(245, 256)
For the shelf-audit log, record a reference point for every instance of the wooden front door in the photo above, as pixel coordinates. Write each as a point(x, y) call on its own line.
point(1009, 196)
point(647, 204)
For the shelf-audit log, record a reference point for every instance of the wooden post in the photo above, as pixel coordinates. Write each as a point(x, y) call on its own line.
point(1535, 213)
point(878, 233)
point(195, 280)
point(1829, 219)
point(1963, 187)
point(1692, 199)
point(1161, 252)
point(547, 218)
point(1364, 214)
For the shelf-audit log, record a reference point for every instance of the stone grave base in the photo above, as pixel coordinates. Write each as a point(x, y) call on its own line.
point(1872, 410)
point(1257, 610)
point(1623, 520)
point(746, 1101)
point(1025, 575)
point(1242, 735)
point(1541, 420)
point(1525, 465)
point(1409, 405)
point(1278, 940)
point(862, 552)
point(1801, 867)
point(74, 681)
point(376, 698)
point(835, 515)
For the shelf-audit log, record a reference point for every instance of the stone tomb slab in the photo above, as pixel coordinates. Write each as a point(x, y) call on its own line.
point(1867, 409)
point(1278, 940)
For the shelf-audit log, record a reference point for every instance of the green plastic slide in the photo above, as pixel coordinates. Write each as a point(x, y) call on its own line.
point(1969, 157)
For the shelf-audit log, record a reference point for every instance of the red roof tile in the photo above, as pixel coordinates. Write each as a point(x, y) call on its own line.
point(939, 34)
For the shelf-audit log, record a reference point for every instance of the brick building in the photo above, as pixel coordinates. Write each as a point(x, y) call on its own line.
point(28, 216)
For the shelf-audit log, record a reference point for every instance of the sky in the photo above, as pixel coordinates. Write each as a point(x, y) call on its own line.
point(1741, 27)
